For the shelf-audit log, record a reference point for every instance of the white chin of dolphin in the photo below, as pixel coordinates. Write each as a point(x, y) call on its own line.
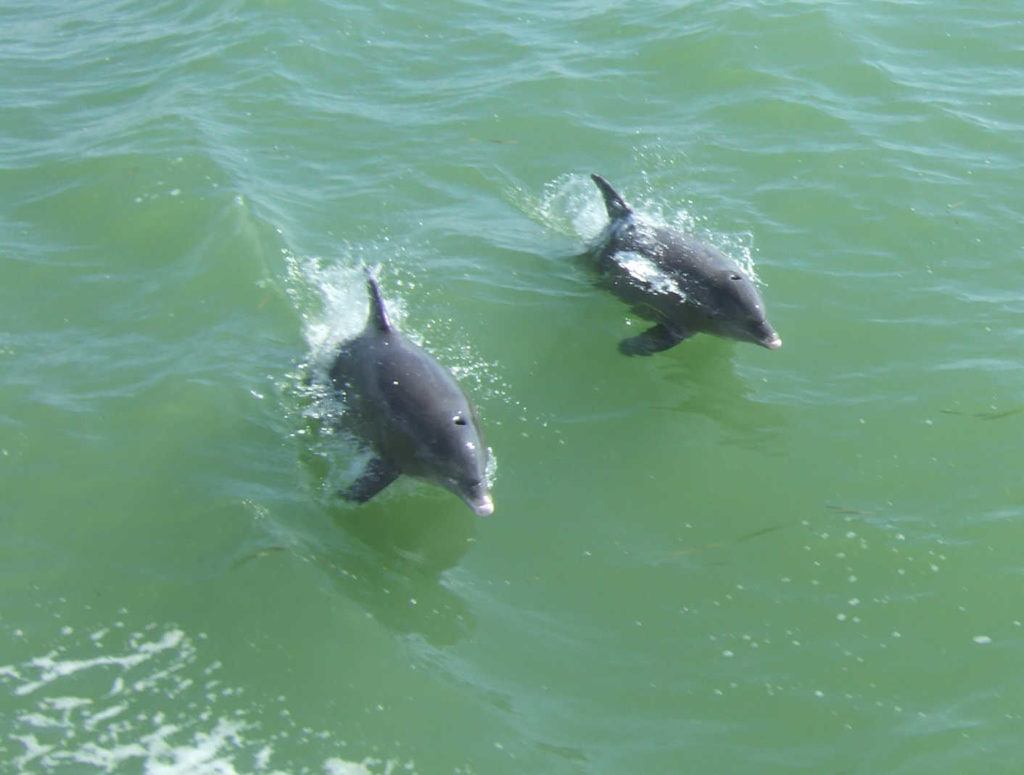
point(483, 507)
point(774, 343)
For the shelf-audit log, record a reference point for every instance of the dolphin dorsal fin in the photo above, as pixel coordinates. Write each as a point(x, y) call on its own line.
point(616, 205)
point(378, 313)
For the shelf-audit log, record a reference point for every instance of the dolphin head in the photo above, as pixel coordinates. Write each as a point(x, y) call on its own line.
point(476, 496)
point(736, 310)
point(450, 451)
point(461, 458)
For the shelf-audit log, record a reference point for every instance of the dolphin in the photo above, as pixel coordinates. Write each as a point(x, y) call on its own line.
point(682, 284)
point(410, 411)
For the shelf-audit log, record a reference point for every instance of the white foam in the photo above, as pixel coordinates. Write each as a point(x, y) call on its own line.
point(342, 767)
point(119, 731)
point(52, 669)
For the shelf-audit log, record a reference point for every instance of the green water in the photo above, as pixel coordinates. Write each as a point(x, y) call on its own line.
point(716, 560)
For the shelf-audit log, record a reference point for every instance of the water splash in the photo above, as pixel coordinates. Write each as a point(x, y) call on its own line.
point(332, 302)
point(567, 205)
point(571, 205)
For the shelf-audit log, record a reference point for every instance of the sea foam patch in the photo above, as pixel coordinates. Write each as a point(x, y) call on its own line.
point(115, 700)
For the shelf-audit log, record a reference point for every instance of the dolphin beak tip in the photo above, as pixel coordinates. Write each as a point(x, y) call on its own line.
point(484, 507)
point(774, 343)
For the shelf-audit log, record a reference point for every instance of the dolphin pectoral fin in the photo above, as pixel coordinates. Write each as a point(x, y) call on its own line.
point(655, 339)
point(378, 474)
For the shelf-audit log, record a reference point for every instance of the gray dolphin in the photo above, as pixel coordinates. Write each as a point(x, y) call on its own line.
point(685, 286)
point(410, 411)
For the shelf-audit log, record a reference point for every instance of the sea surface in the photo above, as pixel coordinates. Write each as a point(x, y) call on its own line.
point(718, 559)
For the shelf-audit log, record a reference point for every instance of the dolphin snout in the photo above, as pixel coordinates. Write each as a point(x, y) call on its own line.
point(483, 506)
point(475, 495)
point(774, 343)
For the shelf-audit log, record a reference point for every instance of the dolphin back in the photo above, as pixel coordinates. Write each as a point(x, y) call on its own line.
point(378, 313)
point(615, 204)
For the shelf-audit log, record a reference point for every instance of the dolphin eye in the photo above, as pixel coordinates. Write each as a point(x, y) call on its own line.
point(459, 419)
point(735, 276)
